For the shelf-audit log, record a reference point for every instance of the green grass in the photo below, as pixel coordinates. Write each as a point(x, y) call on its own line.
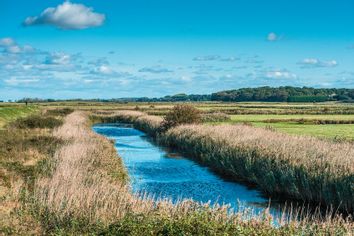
point(11, 113)
point(343, 131)
point(260, 118)
point(331, 131)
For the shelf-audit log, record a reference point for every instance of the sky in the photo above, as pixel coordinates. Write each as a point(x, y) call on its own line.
point(151, 48)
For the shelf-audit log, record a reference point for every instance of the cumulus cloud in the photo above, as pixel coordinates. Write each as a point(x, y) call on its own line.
point(272, 37)
point(316, 63)
point(58, 58)
point(105, 71)
point(155, 70)
point(67, 16)
point(280, 74)
point(10, 46)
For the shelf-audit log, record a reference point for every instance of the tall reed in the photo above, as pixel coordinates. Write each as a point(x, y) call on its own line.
point(296, 167)
point(88, 181)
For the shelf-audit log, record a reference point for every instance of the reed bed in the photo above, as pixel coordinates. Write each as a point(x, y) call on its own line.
point(147, 123)
point(296, 167)
point(82, 186)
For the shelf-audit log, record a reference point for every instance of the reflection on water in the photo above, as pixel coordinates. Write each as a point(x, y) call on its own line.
point(162, 174)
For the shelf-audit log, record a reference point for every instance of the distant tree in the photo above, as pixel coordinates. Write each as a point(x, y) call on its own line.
point(181, 114)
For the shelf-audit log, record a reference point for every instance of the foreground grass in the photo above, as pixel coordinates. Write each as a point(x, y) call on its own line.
point(23, 157)
point(81, 197)
point(69, 181)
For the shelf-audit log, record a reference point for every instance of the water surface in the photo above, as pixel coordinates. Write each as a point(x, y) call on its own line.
point(162, 173)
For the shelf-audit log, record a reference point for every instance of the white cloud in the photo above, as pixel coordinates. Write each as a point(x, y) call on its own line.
point(67, 16)
point(207, 58)
point(155, 70)
point(58, 58)
point(229, 59)
point(280, 74)
point(15, 81)
point(10, 46)
point(314, 62)
point(105, 70)
point(6, 42)
point(272, 37)
point(13, 49)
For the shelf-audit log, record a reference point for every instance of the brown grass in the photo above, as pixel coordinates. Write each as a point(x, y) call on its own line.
point(81, 186)
point(298, 167)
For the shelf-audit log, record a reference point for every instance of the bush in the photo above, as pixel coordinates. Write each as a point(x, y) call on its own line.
point(36, 121)
point(181, 114)
point(60, 112)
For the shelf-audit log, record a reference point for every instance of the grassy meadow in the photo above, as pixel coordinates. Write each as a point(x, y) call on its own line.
point(58, 177)
point(291, 118)
point(10, 113)
point(302, 124)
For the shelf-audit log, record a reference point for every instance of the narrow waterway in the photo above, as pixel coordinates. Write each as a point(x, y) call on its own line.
point(161, 173)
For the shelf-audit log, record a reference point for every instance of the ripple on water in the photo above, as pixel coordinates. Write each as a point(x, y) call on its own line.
point(162, 174)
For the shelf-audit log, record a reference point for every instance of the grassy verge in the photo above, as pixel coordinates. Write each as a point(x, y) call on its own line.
point(24, 155)
point(11, 113)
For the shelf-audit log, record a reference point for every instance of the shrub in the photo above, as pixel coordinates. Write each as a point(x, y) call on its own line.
point(60, 112)
point(181, 114)
point(36, 121)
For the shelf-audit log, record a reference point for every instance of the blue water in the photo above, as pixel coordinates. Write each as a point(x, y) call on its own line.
point(160, 173)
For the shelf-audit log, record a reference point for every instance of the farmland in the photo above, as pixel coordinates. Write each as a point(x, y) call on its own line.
point(296, 124)
point(60, 177)
point(289, 118)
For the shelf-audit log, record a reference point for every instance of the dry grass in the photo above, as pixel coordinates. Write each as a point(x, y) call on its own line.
point(81, 186)
point(294, 166)
point(302, 168)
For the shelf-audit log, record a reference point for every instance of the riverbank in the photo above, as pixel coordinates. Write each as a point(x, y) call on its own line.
point(77, 186)
point(160, 173)
point(293, 167)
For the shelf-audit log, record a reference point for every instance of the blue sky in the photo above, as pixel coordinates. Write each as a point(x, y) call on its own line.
point(107, 49)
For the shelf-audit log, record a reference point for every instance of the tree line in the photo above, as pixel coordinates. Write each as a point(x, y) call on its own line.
point(261, 94)
point(284, 94)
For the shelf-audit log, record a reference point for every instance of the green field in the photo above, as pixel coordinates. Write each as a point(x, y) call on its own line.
point(10, 113)
point(260, 113)
point(331, 131)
